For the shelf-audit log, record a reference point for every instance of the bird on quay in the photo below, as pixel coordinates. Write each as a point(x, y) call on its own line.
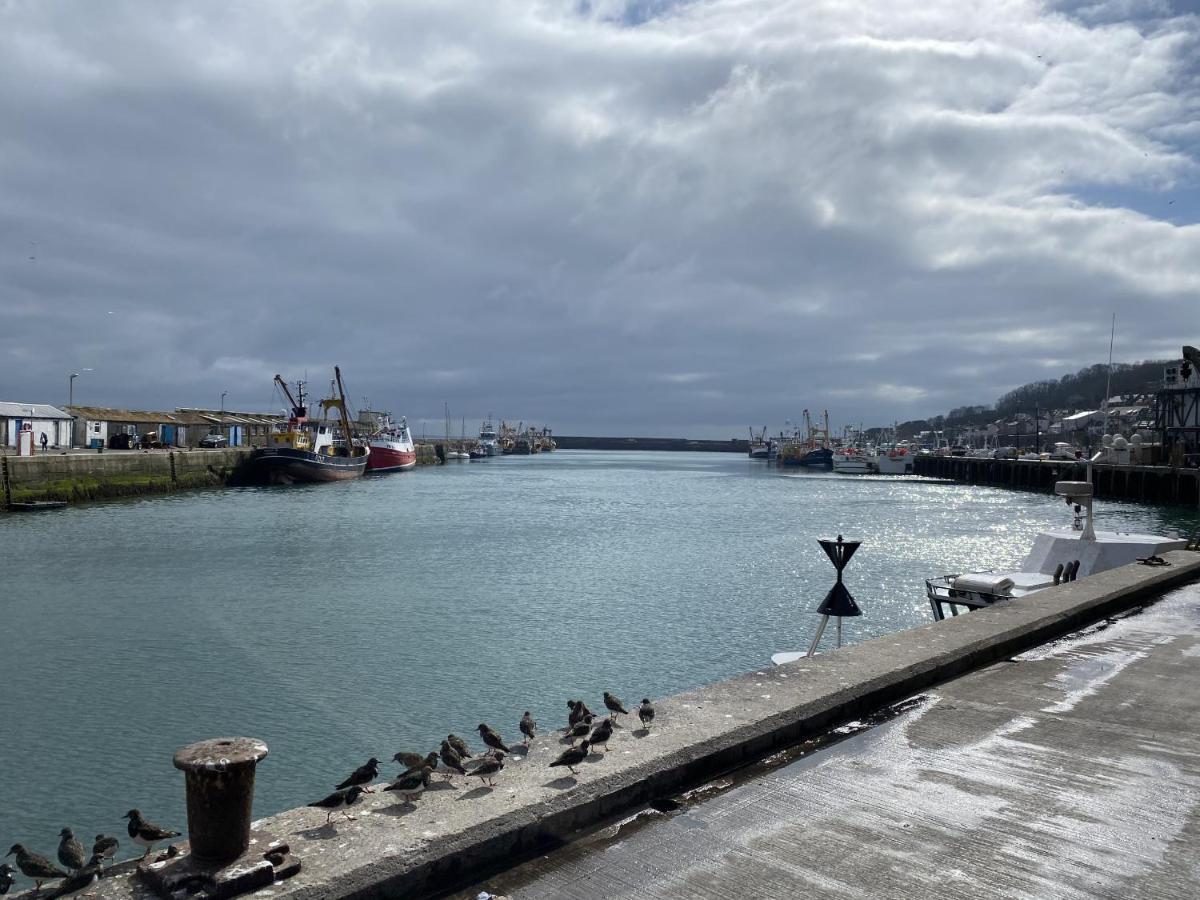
point(6, 878)
point(646, 713)
point(578, 709)
point(81, 879)
point(492, 738)
point(601, 734)
point(490, 766)
point(459, 745)
point(581, 729)
point(35, 866)
point(146, 834)
point(571, 757)
point(429, 759)
point(106, 846)
point(339, 799)
point(614, 705)
point(362, 776)
point(409, 760)
point(451, 760)
point(411, 785)
point(70, 851)
point(528, 727)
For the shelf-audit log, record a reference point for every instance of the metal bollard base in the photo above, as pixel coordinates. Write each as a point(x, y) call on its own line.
point(178, 875)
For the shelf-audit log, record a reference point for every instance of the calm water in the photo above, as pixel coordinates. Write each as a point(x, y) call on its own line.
point(337, 622)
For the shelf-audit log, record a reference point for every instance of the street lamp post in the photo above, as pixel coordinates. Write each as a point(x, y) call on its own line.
point(223, 393)
point(71, 389)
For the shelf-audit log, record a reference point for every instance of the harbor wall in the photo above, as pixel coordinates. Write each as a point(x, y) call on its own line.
point(456, 836)
point(568, 442)
point(93, 476)
point(1141, 484)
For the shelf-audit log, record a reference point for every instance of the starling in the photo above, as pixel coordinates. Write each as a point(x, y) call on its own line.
point(6, 878)
point(146, 833)
point(70, 851)
point(459, 745)
point(451, 760)
point(362, 776)
point(492, 738)
point(581, 729)
point(82, 878)
point(486, 769)
point(35, 866)
point(646, 713)
point(409, 760)
point(601, 733)
point(338, 800)
point(571, 757)
point(528, 727)
point(106, 846)
point(411, 785)
point(614, 705)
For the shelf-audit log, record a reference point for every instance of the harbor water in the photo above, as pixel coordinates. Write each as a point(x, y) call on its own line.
point(338, 622)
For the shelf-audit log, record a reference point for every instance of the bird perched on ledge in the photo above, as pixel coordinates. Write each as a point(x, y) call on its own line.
point(451, 760)
point(106, 846)
point(409, 760)
point(459, 745)
point(412, 784)
point(579, 710)
point(492, 738)
point(614, 705)
point(6, 878)
point(81, 879)
point(146, 834)
point(571, 757)
point(528, 727)
point(490, 766)
point(362, 776)
point(339, 799)
point(35, 866)
point(646, 713)
point(580, 729)
point(601, 734)
point(70, 851)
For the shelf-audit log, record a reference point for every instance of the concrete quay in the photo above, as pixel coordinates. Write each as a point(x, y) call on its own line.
point(1068, 771)
point(459, 834)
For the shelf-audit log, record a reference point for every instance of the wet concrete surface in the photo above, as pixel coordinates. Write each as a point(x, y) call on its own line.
point(1069, 771)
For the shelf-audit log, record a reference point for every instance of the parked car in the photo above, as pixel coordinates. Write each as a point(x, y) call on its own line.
point(212, 441)
point(1005, 453)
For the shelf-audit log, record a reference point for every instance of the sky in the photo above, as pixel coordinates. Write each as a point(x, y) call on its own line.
point(643, 218)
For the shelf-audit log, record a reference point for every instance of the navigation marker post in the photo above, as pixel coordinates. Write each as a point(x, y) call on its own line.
point(838, 602)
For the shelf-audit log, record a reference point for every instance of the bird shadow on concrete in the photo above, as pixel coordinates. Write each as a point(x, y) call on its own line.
point(441, 786)
point(397, 810)
point(595, 757)
point(322, 832)
point(567, 781)
point(641, 733)
point(481, 791)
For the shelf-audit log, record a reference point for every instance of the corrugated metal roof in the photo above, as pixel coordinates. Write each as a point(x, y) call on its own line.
point(105, 414)
point(31, 411)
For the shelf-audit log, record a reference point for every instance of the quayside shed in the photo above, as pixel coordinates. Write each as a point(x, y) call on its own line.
point(45, 419)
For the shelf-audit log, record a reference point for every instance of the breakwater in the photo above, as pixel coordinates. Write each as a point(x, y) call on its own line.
point(457, 833)
point(1141, 484)
point(567, 442)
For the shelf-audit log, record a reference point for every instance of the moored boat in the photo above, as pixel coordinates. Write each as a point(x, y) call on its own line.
point(392, 447)
point(489, 441)
point(894, 460)
point(851, 461)
point(759, 446)
point(305, 451)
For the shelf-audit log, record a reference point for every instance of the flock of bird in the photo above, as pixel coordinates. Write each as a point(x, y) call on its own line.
point(455, 756)
point(77, 871)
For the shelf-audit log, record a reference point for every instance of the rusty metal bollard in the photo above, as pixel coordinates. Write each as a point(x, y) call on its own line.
point(219, 775)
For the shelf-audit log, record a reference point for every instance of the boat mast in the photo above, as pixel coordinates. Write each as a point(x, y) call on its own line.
point(1108, 377)
point(298, 409)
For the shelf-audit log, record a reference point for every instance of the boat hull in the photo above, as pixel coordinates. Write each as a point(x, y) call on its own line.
point(821, 458)
point(387, 458)
point(287, 465)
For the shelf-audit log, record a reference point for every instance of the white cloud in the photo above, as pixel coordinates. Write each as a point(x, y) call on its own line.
point(539, 212)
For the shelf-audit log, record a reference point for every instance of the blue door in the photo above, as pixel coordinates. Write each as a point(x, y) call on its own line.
point(168, 435)
point(235, 435)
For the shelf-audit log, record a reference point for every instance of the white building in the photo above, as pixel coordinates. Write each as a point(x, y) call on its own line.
point(45, 420)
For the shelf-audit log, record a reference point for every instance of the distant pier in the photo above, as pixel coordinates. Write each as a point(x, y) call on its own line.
point(1140, 484)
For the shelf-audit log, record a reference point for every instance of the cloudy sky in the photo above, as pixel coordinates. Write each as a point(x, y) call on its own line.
point(612, 217)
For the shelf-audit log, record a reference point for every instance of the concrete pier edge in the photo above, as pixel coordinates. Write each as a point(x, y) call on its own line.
point(703, 734)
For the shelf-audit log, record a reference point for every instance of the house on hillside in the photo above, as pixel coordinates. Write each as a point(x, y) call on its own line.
point(43, 419)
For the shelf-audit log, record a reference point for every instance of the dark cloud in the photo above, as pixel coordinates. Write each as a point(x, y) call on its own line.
point(642, 218)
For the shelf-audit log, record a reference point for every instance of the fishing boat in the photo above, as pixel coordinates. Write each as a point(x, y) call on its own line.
point(450, 452)
point(489, 441)
point(851, 461)
point(1057, 556)
point(894, 459)
point(813, 451)
point(304, 451)
point(759, 446)
point(392, 447)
